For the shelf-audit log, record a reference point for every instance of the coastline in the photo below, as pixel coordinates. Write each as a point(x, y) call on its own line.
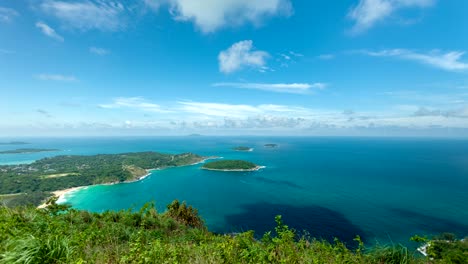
point(61, 193)
point(236, 170)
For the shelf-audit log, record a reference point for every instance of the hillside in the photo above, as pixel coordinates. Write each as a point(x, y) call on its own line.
point(58, 234)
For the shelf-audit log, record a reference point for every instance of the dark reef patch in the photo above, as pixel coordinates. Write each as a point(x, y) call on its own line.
point(278, 182)
point(319, 222)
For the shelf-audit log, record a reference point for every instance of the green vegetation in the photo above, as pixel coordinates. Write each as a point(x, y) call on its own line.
point(446, 246)
point(26, 150)
point(271, 145)
point(230, 165)
point(14, 143)
point(34, 182)
point(59, 234)
point(241, 148)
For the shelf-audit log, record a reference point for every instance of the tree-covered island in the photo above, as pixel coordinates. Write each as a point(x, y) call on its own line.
point(270, 145)
point(27, 150)
point(14, 143)
point(32, 183)
point(243, 148)
point(231, 165)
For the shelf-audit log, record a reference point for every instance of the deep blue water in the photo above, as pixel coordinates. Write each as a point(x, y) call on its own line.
point(384, 189)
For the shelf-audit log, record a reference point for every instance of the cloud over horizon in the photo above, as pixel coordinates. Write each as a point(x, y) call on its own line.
point(295, 88)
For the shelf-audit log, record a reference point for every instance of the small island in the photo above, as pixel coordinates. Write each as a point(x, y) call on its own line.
point(14, 143)
point(242, 148)
point(271, 145)
point(26, 150)
point(231, 165)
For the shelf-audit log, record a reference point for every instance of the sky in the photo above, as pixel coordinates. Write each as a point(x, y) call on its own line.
point(234, 67)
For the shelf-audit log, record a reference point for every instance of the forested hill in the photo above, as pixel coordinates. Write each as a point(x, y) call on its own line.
point(31, 183)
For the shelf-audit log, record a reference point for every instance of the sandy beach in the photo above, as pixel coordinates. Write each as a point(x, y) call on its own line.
point(61, 193)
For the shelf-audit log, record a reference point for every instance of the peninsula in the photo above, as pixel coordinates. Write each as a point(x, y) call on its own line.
point(32, 183)
point(27, 150)
point(242, 148)
point(231, 165)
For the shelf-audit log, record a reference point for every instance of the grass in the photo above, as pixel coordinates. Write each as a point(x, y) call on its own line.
point(58, 234)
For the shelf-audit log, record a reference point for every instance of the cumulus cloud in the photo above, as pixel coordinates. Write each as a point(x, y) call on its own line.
point(369, 12)
point(297, 88)
point(86, 14)
point(240, 55)
point(56, 77)
point(48, 31)
point(7, 14)
point(211, 15)
point(99, 51)
point(449, 61)
point(136, 103)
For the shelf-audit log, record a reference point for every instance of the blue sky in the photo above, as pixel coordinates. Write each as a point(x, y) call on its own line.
point(234, 67)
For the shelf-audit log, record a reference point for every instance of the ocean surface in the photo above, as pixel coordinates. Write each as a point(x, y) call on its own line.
point(383, 189)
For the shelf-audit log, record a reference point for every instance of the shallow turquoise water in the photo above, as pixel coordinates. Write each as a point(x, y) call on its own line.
point(385, 190)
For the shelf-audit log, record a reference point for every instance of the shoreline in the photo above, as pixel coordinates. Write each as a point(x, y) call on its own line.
point(236, 170)
point(61, 193)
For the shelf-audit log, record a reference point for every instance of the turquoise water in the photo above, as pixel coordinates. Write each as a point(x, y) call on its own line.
point(385, 190)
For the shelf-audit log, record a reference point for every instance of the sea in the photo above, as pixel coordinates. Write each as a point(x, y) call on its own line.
point(383, 189)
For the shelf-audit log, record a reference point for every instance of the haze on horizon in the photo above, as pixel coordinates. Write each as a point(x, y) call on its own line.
point(233, 67)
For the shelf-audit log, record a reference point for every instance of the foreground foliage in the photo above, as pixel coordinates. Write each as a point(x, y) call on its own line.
point(59, 234)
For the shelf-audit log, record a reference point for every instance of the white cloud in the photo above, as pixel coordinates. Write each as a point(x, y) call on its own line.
point(369, 12)
point(56, 77)
point(137, 103)
point(449, 61)
point(154, 4)
point(7, 14)
point(86, 14)
point(48, 31)
point(298, 88)
point(240, 55)
point(99, 51)
point(326, 56)
point(211, 15)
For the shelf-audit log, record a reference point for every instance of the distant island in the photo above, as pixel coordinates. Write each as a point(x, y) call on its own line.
point(231, 165)
point(27, 150)
point(14, 143)
point(31, 183)
point(241, 148)
point(271, 145)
